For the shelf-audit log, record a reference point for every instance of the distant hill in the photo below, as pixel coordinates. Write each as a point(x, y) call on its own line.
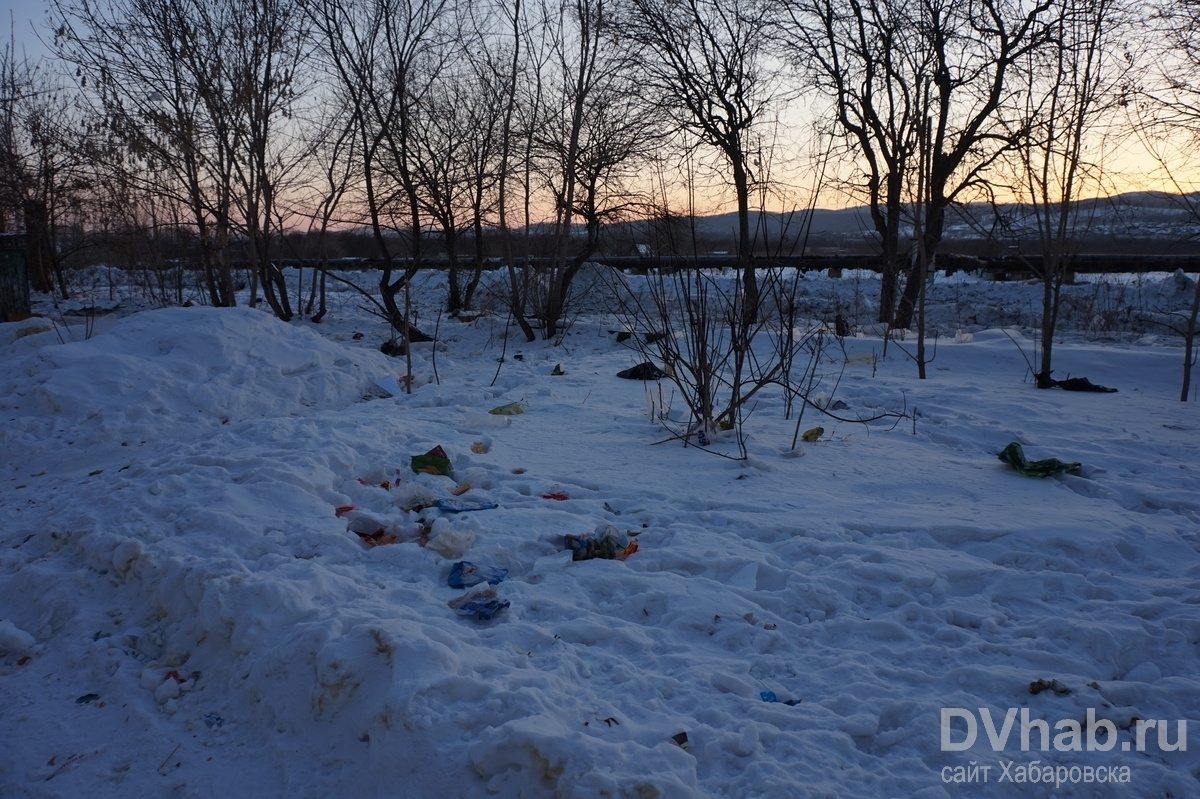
point(1139, 215)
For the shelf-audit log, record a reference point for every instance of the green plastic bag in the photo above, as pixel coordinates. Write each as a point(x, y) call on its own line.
point(432, 462)
point(511, 409)
point(1014, 456)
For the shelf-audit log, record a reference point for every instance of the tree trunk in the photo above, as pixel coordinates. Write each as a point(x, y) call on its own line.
point(14, 277)
point(750, 299)
point(40, 260)
point(1189, 340)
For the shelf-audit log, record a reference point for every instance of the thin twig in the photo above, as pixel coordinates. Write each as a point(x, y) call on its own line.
point(167, 759)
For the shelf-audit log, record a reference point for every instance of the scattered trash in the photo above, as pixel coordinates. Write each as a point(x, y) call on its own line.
point(769, 696)
point(681, 740)
point(606, 543)
point(484, 605)
point(1073, 384)
point(384, 484)
point(393, 348)
point(388, 385)
point(557, 494)
point(838, 405)
point(412, 495)
point(813, 434)
point(1037, 686)
point(558, 370)
point(1014, 456)
point(377, 538)
point(448, 542)
point(480, 448)
point(342, 510)
point(473, 419)
point(462, 505)
point(511, 409)
point(432, 462)
point(371, 530)
point(643, 371)
point(461, 489)
point(465, 575)
point(703, 438)
point(72, 760)
point(484, 609)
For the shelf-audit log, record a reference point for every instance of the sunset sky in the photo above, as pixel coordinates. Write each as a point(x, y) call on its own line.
point(1128, 167)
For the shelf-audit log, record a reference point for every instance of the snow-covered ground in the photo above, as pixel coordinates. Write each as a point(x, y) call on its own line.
point(186, 609)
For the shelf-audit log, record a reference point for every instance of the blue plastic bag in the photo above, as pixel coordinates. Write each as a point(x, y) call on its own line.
point(484, 609)
point(463, 505)
point(465, 574)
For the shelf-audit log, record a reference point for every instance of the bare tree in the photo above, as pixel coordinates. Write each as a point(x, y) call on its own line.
point(594, 132)
point(258, 92)
point(1069, 89)
point(859, 56)
point(333, 149)
point(1168, 118)
point(507, 75)
point(705, 63)
point(44, 180)
point(969, 49)
point(917, 87)
point(455, 134)
point(130, 55)
point(17, 87)
point(385, 56)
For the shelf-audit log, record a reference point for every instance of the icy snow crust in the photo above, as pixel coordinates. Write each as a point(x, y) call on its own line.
point(183, 613)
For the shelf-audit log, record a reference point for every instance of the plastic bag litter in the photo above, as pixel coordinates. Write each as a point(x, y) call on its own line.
point(482, 604)
point(770, 696)
point(372, 530)
point(448, 542)
point(413, 495)
point(1014, 456)
point(455, 505)
point(432, 462)
point(477, 419)
point(388, 385)
point(606, 543)
point(484, 609)
point(643, 371)
point(464, 574)
point(511, 409)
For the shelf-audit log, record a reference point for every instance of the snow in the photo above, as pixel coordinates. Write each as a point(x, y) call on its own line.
point(186, 609)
